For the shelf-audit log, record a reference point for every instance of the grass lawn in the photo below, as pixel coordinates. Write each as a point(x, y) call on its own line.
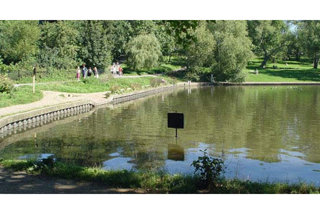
point(20, 95)
point(161, 69)
point(293, 71)
point(155, 182)
point(115, 85)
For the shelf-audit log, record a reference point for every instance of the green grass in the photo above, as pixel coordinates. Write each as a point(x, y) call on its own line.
point(115, 85)
point(293, 71)
point(161, 69)
point(157, 182)
point(20, 95)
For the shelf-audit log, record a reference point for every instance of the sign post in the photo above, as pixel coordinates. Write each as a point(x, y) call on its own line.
point(176, 120)
point(34, 79)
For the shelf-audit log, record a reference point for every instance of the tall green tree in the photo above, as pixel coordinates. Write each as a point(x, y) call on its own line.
point(18, 40)
point(166, 39)
point(120, 33)
point(200, 51)
point(232, 51)
point(182, 31)
point(95, 46)
point(269, 37)
point(309, 36)
point(59, 44)
point(144, 51)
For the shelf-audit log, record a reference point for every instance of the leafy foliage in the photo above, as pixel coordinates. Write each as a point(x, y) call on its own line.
point(209, 168)
point(269, 37)
point(200, 51)
point(233, 50)
point(143, 51)
point(59, 44)
point(6, 85)
point(18, 40)
point(95, 47)
point(309, 36)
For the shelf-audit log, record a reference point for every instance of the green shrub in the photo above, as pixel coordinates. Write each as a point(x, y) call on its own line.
point(6, 85)
point(209, 169)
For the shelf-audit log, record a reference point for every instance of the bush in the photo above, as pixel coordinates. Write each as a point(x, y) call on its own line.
point(6, 85)
point(209, 169)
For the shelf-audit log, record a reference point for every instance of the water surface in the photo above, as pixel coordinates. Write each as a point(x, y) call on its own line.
point(264, 133)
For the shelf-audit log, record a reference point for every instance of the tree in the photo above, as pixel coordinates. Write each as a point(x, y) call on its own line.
point(166, 39)
point(309, 36)
point(294, 49)
point(143, 51)
point(232, 51)
point(269, 37)
point(95, 46)
point(59, 44)
point(18, 40)
point(120, 34)
point(200, 51)
point(182, 31)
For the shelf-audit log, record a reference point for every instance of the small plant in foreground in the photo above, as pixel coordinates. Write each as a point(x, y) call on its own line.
point(209, 169)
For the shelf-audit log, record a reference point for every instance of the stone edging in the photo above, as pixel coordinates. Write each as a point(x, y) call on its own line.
point(23, 121)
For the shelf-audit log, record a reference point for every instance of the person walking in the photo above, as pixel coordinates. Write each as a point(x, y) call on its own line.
point(117, 68)
point(96, 73)
point(120, 70)
point(84, 71)
point(78, 73)
point(89, 72)
point(113, 68)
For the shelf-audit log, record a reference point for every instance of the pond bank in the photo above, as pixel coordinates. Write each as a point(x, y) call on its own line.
point(20, 182)
point(89, 180)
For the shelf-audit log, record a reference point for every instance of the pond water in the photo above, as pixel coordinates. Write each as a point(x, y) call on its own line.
point(264, 133)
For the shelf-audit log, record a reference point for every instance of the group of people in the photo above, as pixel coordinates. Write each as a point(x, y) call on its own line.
point(85, 72)
point(116, 69)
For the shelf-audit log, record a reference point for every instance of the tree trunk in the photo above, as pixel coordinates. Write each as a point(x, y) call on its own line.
point(264, 62)
point(315, 62)
point(298, 56)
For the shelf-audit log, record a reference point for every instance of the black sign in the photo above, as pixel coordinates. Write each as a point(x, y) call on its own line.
point(175, 120)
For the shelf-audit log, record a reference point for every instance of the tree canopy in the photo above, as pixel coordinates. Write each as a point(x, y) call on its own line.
point(222, 48)
point(143, 51)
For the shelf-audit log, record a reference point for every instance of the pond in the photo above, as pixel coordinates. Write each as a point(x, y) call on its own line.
point(263, 133)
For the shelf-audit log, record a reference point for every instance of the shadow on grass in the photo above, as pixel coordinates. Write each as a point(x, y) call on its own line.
point(149, 182)
point(299, 74)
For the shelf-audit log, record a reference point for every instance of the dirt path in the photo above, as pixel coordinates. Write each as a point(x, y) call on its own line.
point(51, 98)
point(21, 182)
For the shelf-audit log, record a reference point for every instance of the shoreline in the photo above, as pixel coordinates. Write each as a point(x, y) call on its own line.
point(144, 182)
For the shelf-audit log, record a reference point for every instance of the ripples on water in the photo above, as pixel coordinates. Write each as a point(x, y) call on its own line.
point(263, 133)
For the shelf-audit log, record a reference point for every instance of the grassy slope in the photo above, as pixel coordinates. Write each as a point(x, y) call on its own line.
point(20, 95)
point(292, 72)
point(102, 84)
point(156, 182)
